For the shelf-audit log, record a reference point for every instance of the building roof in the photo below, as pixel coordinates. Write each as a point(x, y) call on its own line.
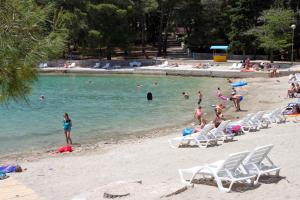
point(219, 47)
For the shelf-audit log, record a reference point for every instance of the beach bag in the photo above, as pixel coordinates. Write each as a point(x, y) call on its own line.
point(66, 148)
point(187, 131)
point(236, 128)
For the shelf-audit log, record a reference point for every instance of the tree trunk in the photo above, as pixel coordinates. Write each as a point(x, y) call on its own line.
point(166, 35)
point(271, 56)
point(143, 36)
point(160, 34)
point(108, 53)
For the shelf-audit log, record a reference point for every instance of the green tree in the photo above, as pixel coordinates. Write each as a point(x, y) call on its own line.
point(108, 25)
point(275, 32)
point(244, 15)
point(27, 37)
point(142, 8)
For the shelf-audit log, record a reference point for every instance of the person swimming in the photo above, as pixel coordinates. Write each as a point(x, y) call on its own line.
point(42, 98)
point(185, 95)
point(149, 96)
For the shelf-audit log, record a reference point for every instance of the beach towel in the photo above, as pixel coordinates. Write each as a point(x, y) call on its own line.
point(66, 148)
point(187, 131)
point(8, 168)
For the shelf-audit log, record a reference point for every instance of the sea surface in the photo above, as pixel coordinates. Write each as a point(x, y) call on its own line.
point(101, 107)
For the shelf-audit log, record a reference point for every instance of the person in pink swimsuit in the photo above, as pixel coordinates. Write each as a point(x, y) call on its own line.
point(198, 114)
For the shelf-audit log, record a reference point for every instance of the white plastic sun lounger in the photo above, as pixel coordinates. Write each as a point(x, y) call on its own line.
point(220, 134)
point(246, 125)
point(259, 163)
point(135, 64)
point(201, 139)
point(97, 65)
point(258, 120)
point(106, 66)
point(275, 116)
point(223, 170)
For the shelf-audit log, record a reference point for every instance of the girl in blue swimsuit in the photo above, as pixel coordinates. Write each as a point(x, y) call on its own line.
point(67, 128)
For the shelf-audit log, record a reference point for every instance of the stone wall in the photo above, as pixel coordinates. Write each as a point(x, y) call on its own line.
point(90, 63)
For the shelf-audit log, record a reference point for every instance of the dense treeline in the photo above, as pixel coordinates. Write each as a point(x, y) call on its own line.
point(100, 26)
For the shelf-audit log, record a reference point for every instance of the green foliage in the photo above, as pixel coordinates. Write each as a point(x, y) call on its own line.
point(275, 33)
point(108, 27)
point(27, 37)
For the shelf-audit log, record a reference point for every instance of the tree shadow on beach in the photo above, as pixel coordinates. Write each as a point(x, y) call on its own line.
point(237, 187)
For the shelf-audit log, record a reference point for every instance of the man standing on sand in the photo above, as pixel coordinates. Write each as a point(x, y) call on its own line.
point(236, 101)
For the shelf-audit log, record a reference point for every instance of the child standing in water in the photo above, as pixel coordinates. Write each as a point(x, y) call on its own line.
point(67, 128)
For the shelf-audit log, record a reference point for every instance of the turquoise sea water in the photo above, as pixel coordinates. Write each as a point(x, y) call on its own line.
point(100, 107)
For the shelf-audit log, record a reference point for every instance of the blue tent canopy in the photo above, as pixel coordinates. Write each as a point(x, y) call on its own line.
point(219, 47)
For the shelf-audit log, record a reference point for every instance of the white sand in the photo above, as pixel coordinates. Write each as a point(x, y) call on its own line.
point(156, 164)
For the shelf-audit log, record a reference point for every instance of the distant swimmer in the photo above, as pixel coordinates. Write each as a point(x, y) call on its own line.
point(185, 95)
point(138, 85)
point(155, 83)
point(42, 98)
point(199, 97)
point(149, 96)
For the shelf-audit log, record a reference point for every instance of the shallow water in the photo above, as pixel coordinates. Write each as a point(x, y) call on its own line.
point(100, 107)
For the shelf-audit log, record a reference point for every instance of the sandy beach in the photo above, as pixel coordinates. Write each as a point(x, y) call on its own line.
point(148, 168)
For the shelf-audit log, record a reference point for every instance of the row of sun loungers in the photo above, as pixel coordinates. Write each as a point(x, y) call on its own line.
point(210, 136)
point(245, 167)
point(108, 66)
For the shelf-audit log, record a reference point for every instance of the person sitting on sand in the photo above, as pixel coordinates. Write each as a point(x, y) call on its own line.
point(291, 92)
point(229, 80)
point(236, 101)
point(198, 114)
point(10, 168)
point(185, 95)
point(274, 72)
point(203, 123)
point(292, 77)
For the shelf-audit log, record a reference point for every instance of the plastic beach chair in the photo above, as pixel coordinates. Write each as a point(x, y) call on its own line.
point(223, 170)
point(258, 120)
point(97, 65)
point(135, 64)
point(245, 123)
point(275, 116)
point(220, 134)
point(259, 163)
point(201, 139)
point(106, 66)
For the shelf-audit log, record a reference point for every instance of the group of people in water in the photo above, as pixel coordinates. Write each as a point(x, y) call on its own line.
point(219, 117)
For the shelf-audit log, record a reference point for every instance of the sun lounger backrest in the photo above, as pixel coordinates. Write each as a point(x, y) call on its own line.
point(258, 155)
point(223, 125)
point(234, 161)
point(207, 128)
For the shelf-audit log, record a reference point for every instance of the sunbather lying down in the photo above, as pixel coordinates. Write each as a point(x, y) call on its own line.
point(10, 168)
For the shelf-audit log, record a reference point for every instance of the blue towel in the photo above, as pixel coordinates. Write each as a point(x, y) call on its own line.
point(187, 131)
